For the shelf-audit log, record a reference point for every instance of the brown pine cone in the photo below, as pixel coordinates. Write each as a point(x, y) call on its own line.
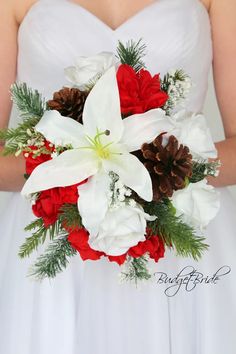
point(168, 166)
point(69, 102)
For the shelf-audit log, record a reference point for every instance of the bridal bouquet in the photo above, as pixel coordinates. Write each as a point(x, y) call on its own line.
point(115, 167)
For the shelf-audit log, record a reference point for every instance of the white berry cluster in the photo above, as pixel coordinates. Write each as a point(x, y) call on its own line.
point(119, 193)
point(178, 88)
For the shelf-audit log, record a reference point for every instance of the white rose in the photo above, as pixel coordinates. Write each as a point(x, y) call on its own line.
point(122, 228)
point(198, 203)
point(88, 69)
point(191, 130)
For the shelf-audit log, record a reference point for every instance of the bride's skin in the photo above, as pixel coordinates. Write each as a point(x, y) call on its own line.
point(114, 13)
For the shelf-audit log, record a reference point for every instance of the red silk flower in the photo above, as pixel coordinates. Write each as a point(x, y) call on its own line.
point(118, 259)
point(153, 245)
point(79, 240)
point(50, 201)
point(139, 92)
point(32, 162)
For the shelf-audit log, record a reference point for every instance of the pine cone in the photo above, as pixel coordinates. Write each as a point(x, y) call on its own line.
point(168, 166)
point(69, 102)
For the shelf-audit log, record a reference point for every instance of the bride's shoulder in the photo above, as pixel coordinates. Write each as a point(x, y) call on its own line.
point(18, 8)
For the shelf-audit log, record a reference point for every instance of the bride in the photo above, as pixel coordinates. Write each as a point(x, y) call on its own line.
point(85, 310)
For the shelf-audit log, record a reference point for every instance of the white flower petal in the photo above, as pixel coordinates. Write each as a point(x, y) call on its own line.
point(87, 69)
point(198, 203)
point(72, 75)
point(144, 128)
point(121, 229)
point(60, 130)
point(132, 173)
point(191, 129)
point(102, 108)
point(71, 167)
point(93, 201)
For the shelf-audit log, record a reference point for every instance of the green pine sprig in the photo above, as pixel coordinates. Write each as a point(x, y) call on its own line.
point(137, 269)
point(54, 260)
point(69, 216)
point(29, 102)
point(174, 232)
point(131, 54)
point(38, 237)
point(169, 84)
point(202, 169)
point(31, 107)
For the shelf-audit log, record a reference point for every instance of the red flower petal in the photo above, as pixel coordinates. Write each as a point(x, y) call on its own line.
point(139, 92)
point(79, 240)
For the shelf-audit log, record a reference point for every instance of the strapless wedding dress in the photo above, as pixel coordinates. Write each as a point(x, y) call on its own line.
point(85, 310)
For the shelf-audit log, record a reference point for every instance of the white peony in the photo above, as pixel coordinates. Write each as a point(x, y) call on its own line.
point(88, 69)
point(198, 203)
point(191, 130)
point(122, 228)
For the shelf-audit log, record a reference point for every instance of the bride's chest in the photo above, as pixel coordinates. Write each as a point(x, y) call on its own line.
point(170, 28)
point(176, 32)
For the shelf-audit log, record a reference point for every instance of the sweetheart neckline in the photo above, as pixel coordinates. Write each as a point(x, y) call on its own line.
point(102, 23)
point(129, 19)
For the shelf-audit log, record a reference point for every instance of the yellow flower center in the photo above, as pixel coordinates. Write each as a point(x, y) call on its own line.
point(101, 150)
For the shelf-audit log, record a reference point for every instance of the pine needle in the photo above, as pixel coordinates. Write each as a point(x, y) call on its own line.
point(54, 260)
point(174, 232)
point(132, 54)
point(202, 169)
point(29, 102)
point(38, 237)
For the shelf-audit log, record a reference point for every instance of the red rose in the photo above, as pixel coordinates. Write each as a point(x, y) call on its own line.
point(156, 248)
point(50, 201)
point(79, 240)
point(139, 250)
point(118, 259)
point(32, 162)
point(139, 92)
point(47, 206)
point(69, 195)
point(153, 245)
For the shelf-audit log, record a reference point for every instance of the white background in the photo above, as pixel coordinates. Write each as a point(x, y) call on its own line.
point(214, 120)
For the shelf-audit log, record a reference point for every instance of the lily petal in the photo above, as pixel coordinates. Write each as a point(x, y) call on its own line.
point(93, 202)
point(102, 108)
point(71, 167)
point(144, 128)
point(61, 130)
point(132, 173)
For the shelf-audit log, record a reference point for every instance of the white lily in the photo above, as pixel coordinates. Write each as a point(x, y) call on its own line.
point(101, 145)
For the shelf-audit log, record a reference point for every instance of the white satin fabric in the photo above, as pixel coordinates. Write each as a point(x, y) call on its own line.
point(85, 310)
